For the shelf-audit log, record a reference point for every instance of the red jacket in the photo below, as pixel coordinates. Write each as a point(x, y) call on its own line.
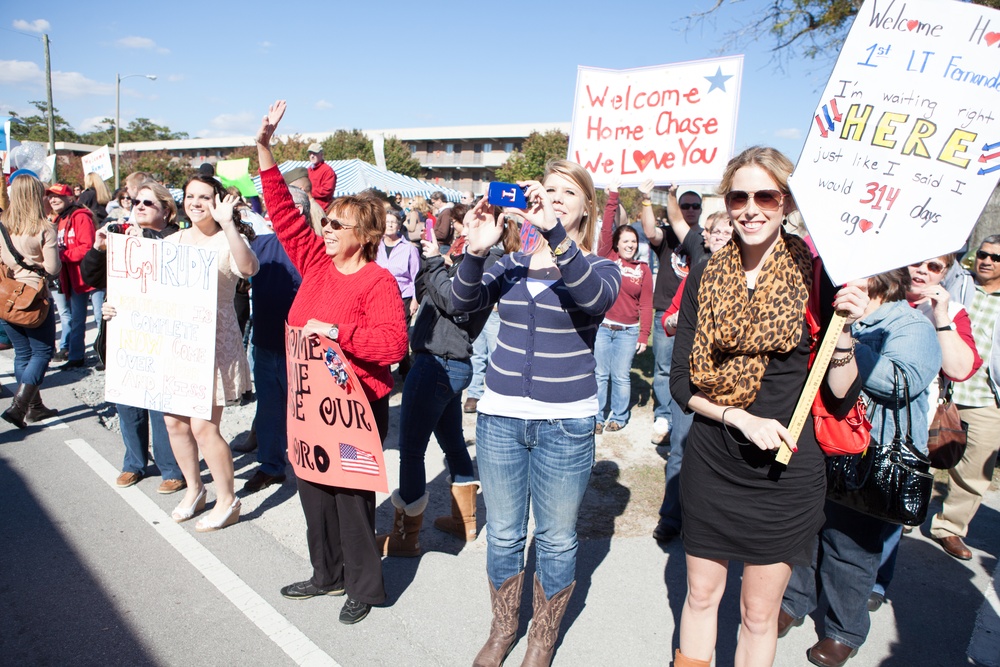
point(75, 234)
point(324, 183)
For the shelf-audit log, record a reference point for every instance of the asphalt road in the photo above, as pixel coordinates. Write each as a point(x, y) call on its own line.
point(94, 575)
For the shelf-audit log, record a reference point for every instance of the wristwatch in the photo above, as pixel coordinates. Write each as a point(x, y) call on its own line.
point(333, 332)
point(562, 247)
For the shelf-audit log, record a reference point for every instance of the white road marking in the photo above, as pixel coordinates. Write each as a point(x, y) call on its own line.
point(289, 638)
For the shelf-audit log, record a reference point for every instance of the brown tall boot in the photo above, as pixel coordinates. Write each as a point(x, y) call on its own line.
point(462, 522)
point(404, 540)
point(506, 604)
point(545, 625)
point(681, 660)
point(19, 404)
point(37, 411)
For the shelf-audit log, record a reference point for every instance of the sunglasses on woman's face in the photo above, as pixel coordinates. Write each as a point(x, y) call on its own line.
point(686, 207)
point(982, 255)
point(148, 203)
point(933, 267)
point(766, 200)
point(335, 225)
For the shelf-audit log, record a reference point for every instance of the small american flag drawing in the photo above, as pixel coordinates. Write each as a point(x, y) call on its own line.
point(353, 459)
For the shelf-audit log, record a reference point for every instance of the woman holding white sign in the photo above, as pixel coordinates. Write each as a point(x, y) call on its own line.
point(740, 363)
point(214, 226)
point(347, 297)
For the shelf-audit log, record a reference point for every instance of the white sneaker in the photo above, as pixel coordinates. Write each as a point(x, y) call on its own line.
point(661, 427)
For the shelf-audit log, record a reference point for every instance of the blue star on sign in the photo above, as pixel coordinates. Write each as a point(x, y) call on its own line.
point(718, 80)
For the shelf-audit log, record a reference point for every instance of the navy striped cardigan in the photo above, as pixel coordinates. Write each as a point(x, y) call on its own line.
point(545, 348)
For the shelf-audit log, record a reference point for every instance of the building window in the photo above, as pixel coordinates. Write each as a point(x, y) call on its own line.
point(413, 149)
point(476, 176)
point(449, 148)
point(508, 147)
point(477, 148)
point(487, 147)
point(430, 146)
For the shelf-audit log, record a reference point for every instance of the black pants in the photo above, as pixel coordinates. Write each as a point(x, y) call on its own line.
point(340, 530)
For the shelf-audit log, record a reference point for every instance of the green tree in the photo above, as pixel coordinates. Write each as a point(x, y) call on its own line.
point(291, 148)
point(810, 28)
point(529, 162)
point(36, 127)
point(348, 145)
point(399, 160)
point(169, 170)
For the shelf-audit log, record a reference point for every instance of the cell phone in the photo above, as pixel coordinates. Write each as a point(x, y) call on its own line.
point(509, 195)
point(429, 231)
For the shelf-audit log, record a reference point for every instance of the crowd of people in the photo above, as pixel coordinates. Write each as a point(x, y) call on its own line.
point(538, 314)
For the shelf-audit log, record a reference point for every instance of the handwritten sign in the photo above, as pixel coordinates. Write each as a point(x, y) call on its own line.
point(161, 343)
point(332, 436)
point(672, 123)
point(98, 162)
point(904, 148)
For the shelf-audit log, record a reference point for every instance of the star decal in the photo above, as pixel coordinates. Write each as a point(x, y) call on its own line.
point(718, 80)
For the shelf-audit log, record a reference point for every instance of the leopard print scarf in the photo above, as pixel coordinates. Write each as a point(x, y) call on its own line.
point(736, 333)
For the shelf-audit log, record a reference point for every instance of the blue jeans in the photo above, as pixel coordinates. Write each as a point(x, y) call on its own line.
point(547, 461)
point(670, 510)
point(613, 352)
point(432, 403)
point(271, 383)
point(850, 548)
point(78, 319)
point(663, 349)
point(135, 423)
point(482, 348)
point(33, 349)
point(62, 306)
point(887, 565)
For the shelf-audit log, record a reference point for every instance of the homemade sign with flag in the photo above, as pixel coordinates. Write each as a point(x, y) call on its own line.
point(332, 436)
point(904, 148)
point(236, 173)
point(98, 162)
point(161, 344)
point(673, 123)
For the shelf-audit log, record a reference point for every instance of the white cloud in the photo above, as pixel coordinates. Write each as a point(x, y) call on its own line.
point(174, 78)
point(788, 133)
point(38, 25)
point(91, 124)
point(264, 45)
point(231, 124)
point(70, 84)
point(141, 43)
point(323, 104)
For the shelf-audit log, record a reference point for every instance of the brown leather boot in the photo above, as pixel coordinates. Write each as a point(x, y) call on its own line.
point(506, 604)
point(19, 404)
point(545, 625)
point(462, 522)
point(681, 660)
point(37, 411)
point(404, 540)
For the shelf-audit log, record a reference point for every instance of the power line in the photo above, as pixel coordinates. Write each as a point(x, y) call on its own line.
point(20, 32)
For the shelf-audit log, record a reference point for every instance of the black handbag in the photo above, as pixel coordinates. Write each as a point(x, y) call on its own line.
point(889, 482)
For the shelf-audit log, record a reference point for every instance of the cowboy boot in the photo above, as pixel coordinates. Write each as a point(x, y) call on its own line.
point(37, 411)
point(681, 660)
point(19, 404)
point(545, 625)
point(404, 540)
point(506, 604)
point(462, 522)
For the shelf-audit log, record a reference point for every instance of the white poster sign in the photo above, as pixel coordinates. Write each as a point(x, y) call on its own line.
point(904, 148)
point(161, 342)
point(99, 162)
point(673, 123)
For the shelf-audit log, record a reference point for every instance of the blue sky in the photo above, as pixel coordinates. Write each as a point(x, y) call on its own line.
point(377, 64)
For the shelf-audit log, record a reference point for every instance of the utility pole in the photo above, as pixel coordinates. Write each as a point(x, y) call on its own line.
point(48, 89)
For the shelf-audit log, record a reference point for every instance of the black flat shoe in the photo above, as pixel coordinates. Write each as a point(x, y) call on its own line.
point(354, 611)
point(303, 590)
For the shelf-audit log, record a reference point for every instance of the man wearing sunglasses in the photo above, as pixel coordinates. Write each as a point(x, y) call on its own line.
point(978, 401)
point(678, 246)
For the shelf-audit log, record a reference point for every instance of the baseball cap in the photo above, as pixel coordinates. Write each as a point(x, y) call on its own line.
point(314, 148)
point(60, 190)
point(293, 175)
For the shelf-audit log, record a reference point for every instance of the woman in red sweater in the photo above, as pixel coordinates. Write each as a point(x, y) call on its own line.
point(626, 327)
point(348, 298)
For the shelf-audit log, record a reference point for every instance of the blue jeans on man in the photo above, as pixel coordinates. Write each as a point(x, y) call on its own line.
point(614, 351)
point(482, 348)
point(62, 308)
point(663, 349)
point(271, 383)
point(135, 425)
point(432, 403)
point(542, 462)
point(33, 349)
point(670, 510)
point(78, 319)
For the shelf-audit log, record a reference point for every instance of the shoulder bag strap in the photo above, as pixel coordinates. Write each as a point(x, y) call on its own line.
point(898, 439)
point(18, 257)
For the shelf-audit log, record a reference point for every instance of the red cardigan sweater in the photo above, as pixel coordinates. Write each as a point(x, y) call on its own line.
point(365, 306)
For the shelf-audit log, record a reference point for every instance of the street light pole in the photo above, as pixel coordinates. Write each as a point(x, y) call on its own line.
point(118, 116)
